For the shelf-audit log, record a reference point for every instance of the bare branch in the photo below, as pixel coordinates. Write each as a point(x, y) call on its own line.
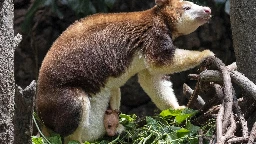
point(193, 76)
point(17, 39)
point(237, 77)
point(252, 135)
point(225, 121)
point(219, 91)
point(213, 140)
point(200, 138)
point(194, 96)
point(232, 67)
point(187, 91)
point(219, 124)
point(244, 82)
point(237, 140)
point(210, 75)
point(228, 99)
point(211, 113)
point(242, 120)
point(218, 96)
point(231, 129)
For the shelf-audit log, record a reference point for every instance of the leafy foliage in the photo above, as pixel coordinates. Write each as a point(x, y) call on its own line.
point(27, 24)
point(55, 139)
point(80, 7)
point(169, 127)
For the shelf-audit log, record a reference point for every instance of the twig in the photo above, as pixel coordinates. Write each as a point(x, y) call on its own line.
point(194, 96)
point(244, 82)
point(40, 130)
point(200, 138)
point(216, 98)
point(210, 75)
point(219, 91)
point(252, 135)
point(242, 120)
point(231, 129)
point(228, 99)
point(232, 67)
point(225, 121)
point(213, 140)
point(219, 123)
point(236, 77)
point(193, 76)
point(237, 140)
point(187, 91)
point(211, 113)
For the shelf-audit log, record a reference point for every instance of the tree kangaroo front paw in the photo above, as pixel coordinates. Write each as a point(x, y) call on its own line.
point(207, 53)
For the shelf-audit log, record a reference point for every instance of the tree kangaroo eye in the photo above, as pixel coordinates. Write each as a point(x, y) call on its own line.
point(187, 8)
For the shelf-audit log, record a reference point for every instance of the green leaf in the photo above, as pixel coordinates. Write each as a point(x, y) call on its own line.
point(185, 114)
point(193, 140)
point(55, 9)
point(171, 138)
point(76, 142)
point(193, 129)
point(170, 113)
point(26, 25)
point(37, 140)
point(174, 128)
point(189, 111)
point(110, 3)
point(55, 139)
point(182, 117)
point(151, 121)
point(127, 118)
point(182, 132)
point(128, 121)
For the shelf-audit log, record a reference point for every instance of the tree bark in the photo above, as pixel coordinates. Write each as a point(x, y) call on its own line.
point(24, 106)
point(243, 22)
point(8, 42)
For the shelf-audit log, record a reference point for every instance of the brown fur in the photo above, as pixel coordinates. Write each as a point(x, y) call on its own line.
point(95, 48)
point(111, 121)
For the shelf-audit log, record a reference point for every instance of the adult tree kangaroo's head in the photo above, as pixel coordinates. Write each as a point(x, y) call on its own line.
point(184, 16)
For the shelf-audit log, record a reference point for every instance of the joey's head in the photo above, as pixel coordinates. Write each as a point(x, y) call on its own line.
point(111, 122)
point(183, 16)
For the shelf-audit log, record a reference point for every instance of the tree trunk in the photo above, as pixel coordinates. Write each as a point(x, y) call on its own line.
point(24, 106)
point(8, 42)
point(243, 24)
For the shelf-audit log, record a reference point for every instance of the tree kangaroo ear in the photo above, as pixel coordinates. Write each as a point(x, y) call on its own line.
point(117, 111)
point(160, 2)
point(108, 112)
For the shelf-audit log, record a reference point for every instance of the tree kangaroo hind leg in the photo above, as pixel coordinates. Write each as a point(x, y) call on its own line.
point(115, 98)
point(84, 119)
point(114, 104)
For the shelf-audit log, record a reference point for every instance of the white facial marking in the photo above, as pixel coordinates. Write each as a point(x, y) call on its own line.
point(193, 17)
